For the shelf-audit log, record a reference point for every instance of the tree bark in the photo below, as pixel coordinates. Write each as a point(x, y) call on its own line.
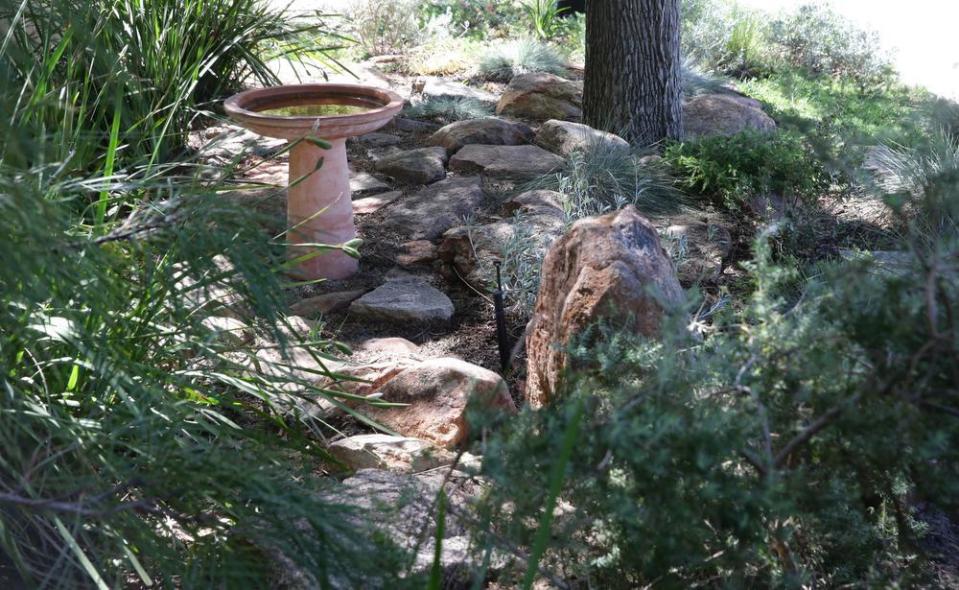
point(633, 80)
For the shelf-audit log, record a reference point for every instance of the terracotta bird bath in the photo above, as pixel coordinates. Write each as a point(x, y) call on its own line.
point(319, 207)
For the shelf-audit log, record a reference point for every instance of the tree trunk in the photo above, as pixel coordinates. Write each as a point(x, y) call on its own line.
point(633, 81)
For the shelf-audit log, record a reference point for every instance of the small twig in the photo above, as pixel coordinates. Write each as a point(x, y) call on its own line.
point(76, 507)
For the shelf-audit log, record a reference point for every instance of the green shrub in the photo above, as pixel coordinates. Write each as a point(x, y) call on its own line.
point(146, 66)
point(545, 18)
point(724, 37)
point(473, 18)
point(520, 57)
point(727, 171)
point(139, 448)
point(800, 444)
point(385, 27)
point(821, 41)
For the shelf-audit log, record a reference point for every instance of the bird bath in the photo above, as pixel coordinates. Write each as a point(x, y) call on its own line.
point(319, 206)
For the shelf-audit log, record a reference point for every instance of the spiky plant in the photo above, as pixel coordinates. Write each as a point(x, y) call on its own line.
point(521, 57)
point(142, 444)
point(602, 177)
point(448, 109)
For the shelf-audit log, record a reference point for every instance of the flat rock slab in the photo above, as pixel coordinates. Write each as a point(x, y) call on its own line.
point(415, 253)
point(513, 162)
point(566, 137)
point(364, 182)
point(427, 213)
point(436, 87)
point(419, 166)
point(383, 451)
point(325, 303)
point(536, 202)
point(406, 299)
point(486, 131)
point(374, 203)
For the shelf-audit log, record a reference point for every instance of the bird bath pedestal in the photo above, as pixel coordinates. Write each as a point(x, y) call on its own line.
point(319, 206)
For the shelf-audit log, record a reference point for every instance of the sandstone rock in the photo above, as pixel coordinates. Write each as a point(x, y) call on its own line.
point(391, 346)
point(295, 327)
point(377, 139)
point(541, 96)
point(514, 162)
point(538, 201)
point(364, 182)
point(566, 137)
point(212, 297)
point(487, 131)
point(722, 114)
point(468, 252)
point(432, 210)
point(221, 144)
point(367, 205)
point(415, 253)
point(405, 300)
point(438, 392)
point(610, 267)
point(697, 248)
point(384, 451)
point(402, 508)
point(228, 330)
point(438, 87)
point(325, 303)
point(419, 166)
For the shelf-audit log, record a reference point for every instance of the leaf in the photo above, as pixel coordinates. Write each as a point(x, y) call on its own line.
point(81, 556)
point(74, 377)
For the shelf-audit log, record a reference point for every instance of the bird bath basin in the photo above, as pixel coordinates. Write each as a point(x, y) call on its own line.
point(319, 206)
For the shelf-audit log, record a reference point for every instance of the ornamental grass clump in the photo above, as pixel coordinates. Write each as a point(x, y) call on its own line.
point(144, 442)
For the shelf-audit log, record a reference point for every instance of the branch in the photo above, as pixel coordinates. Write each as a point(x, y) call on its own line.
point(77, 508)
point(812, 430)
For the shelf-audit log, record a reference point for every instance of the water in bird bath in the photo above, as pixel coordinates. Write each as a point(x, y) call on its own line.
point(315, 110)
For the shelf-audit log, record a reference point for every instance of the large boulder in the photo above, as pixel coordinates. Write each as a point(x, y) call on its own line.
point(566, 137)
point(427, 213)
point(437, 393)
point(541, 96)
point(512, 162)
point(487, 131)
point(723, 114)
point(607, 268)
point(419, 166)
